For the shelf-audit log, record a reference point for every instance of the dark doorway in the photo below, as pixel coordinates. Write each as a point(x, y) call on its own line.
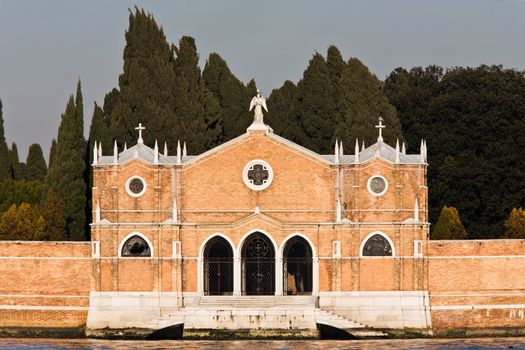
point(218, 267)
point(297, 264)
point(258, 265)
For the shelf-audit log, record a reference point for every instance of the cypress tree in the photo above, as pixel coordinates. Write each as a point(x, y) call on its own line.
point(282, 116)
point(66, 173)
point(52, 151)
point(449, 225)
point(362, 101)
point(5, 167)
point(146, 85)
point(232, 95)
point(36, 164)
point(53, 214)
point(14, 162)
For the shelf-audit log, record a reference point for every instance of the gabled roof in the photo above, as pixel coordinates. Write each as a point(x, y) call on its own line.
point(379, 150)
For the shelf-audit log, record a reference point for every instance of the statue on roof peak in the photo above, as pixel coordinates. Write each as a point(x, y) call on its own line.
point(258, 102)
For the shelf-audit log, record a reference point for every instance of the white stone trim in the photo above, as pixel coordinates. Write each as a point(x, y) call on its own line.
point(370, 189)
point(315, 260)
point(363, 242)
point(95, 249)
point(38, 307)
point(143, 182)
point(141, 235)
point(200, 261)
point(247, 168)
point(176, 251)
point(418, 249)
point(336, 250)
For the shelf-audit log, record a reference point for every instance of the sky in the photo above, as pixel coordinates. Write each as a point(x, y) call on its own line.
point(46, 46)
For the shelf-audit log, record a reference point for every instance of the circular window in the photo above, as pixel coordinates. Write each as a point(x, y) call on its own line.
point(136, 186)
point(377, 185)
point(257, 175)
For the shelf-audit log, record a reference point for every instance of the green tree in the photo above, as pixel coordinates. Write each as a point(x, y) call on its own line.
point(66, 173)
point(14, 161)
point(449, 225)
point(52, 152)
point(53, 213)
point(36, 164)
point(22, 223)
point(147, 84)
point(5, 168)
point(232, 95)
point(21, 191)
point(515, 224)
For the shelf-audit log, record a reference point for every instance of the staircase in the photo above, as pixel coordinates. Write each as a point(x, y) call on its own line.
point(259, 312)
point(354, 328)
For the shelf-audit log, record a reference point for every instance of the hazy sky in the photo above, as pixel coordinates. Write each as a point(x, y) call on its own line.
point(45, 46)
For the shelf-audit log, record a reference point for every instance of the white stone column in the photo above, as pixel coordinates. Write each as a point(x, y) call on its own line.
point(237, 276)
point(315, 277)
point(279, 276)
point(200, 276)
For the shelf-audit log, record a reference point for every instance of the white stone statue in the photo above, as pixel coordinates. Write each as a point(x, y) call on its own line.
point(259, 103)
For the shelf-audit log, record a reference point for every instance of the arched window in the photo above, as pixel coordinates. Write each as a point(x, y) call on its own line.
point(258, 265)
point(136, 246)
point(297, 266)
point(377, 245)
point(218, 267)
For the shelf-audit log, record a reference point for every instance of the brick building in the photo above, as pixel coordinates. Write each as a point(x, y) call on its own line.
point(261, 234)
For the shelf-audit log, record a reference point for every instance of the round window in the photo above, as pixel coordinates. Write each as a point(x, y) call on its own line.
point(135, 186)
point(257, 175)
point(377, 185)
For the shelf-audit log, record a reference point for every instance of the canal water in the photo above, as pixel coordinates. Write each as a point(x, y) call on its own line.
point(471, 344)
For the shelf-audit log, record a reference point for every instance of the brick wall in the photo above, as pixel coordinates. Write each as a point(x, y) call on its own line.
point(44, 284)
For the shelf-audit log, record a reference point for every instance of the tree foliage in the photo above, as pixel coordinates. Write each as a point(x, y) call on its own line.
point(52, 211)
point(472, 119)
point(36, 164)
point(66, 173)
point(22, 222)
point(5, 169)
point(515, 224)
point(449, 225)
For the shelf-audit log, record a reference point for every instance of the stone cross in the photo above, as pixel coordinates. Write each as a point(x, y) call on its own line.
point(140, 128)
point(380, 127)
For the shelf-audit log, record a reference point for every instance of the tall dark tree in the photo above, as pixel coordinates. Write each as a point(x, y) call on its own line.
point(66, 173)
point(147, 84)
point(52, 211)
point(5, 168)
point(52, 151)
point(232, 95)
point(14, 162)
point(473, 120)
point(36, 164)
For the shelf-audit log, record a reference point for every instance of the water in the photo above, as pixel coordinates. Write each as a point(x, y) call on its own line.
point(471, 343)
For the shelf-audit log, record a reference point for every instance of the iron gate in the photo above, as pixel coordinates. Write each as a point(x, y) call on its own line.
point(218, 268)
point(258, 262)
point(297, 268)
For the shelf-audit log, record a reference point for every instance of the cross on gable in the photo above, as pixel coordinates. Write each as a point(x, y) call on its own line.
point(380, 126)
point(140, 128)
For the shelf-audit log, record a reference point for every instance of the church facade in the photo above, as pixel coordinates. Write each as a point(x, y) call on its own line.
point(263, 236)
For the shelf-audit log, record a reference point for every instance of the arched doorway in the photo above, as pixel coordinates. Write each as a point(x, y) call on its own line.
point(297, 267)
point(258, 265)
point(218, 267)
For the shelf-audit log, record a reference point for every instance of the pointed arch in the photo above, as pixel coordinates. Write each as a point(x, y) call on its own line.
point(383, 236)
point(130, 236)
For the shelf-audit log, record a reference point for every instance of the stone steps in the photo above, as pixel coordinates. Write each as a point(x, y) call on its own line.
point(356, 329)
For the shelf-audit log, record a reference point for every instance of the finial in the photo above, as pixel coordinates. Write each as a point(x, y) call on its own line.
point(258, 102)
point(140, 128)
point(341, 153)
point(380, 126)
point(165, 149)
point(179, 156)
point(156, 153)
point(356, 155)
point(397, 151)
point(422, 152)
point(115, 153)
point(403, 149)
point(336, 152)
point(416, 211)
point(100, 149)
point(425, 149)
point(125, 146)
point(184, 150)
point(95, 153)
point(363, 146)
